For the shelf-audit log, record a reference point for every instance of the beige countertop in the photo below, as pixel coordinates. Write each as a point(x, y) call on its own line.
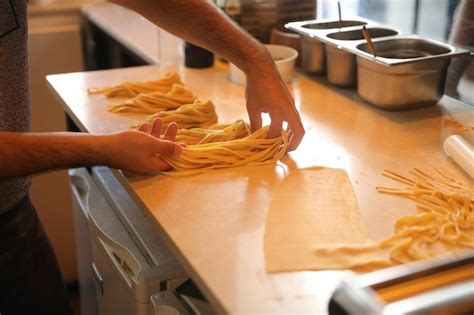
point(214, 222)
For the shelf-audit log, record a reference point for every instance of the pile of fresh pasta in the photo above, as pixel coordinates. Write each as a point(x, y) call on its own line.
point(445, 222)
point(209, 145)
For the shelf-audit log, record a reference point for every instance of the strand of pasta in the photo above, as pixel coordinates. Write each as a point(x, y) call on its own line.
point(150, 103)
point(200, 113)
point(445, 222)
point(134, 88)
point(215, 133)
point(255, 149)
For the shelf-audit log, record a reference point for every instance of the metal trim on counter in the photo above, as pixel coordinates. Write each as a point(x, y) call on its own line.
point(425, 288)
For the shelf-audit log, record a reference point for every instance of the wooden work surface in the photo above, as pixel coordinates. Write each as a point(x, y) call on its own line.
point(215, 222)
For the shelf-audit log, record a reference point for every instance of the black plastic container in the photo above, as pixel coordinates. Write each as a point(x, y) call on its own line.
point(197, 57)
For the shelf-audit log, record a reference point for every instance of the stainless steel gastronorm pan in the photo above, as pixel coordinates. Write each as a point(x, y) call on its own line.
point(312, 39)
point(407, 49)
point(357, 35)
point(330, 25)
point(408, 72)
point(340, 60)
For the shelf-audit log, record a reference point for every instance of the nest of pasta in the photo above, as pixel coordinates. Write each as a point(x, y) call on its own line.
point(255, 149)
point(215, 133)
point(150, 103)
point(199, 114)
point(209, 145)
point(135, 88)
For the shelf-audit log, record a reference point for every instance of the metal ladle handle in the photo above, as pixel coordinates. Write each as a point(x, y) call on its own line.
point(339, 12)
point(369, 41)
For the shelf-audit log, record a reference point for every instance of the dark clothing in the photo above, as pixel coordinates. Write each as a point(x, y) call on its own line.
point(14, 95)
point(30, 280)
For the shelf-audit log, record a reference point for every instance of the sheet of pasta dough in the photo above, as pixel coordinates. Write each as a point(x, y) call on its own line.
point(314, 223)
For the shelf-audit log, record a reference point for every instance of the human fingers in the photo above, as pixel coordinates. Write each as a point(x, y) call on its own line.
point(171, 131)
point(255, 117)
point(275, 125)
point(289, 135)
point(159, 164)
point(155, 129)
point(297, 133)
point(143, 127)
point(166, 147)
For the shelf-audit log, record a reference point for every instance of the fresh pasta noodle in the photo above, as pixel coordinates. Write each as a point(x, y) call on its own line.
point(200, 113)
point(254, 149)
point(134, 88)
point(150, 103)
point(445, 223)
point(215, 133)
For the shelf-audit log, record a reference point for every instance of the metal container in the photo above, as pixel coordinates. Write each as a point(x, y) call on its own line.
point(312, 32)
point(408, 72)
point(341, 64)
point(328, 25)
point(313, 56)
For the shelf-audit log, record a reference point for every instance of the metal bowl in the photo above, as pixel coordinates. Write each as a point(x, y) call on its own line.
point(341, 65)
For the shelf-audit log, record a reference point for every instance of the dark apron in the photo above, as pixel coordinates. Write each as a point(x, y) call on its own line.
point(30, 280)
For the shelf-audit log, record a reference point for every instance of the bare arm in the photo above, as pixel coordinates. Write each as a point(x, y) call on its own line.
point(201, 22)
point(30, 153)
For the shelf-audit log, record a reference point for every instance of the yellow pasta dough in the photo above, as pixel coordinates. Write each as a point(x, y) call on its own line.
point(150, 103)
point(445, 223)
point(254, 149)
point(215, 133)
point(314, 223)
point(134, 88)
point(200, 113)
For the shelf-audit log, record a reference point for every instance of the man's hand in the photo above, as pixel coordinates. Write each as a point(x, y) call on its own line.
point(141, 151)
point(213, 30)
point(267, 93)
point(137, 151)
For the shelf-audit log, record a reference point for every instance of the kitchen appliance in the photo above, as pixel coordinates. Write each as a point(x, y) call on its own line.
point(122, 263)
point(442, 286)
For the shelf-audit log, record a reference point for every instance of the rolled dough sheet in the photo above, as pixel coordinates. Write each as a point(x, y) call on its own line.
point(314, 223)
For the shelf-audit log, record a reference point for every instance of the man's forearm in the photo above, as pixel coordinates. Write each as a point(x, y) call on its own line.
point(30, 153)
point(201, 22)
